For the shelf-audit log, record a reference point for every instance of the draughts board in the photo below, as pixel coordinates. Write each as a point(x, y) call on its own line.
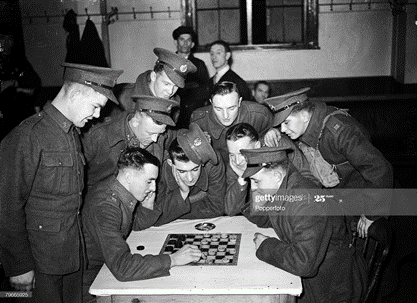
point(218, 249)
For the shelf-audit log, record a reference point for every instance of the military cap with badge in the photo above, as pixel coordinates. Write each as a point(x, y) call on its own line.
point(101, 79)
point(164, 111)
point(196, 145)
point(258, 158)
point(175, 66)
point(283, 105)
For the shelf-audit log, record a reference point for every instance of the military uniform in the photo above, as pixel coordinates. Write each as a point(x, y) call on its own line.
point(104, 143)
point(109, 215)
point(252, 113)
point(41, 184)
point(309, 243)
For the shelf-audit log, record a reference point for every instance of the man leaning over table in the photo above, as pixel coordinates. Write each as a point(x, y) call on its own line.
point(312, 238)
point(115, 206)
point(193, 181)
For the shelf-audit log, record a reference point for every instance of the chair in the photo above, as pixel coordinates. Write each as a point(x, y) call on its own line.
point(375, 250)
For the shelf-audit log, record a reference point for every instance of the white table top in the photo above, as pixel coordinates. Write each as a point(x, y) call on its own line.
point(249, 276)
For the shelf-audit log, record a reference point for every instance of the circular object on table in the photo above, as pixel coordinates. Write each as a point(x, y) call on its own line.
point(205, 226)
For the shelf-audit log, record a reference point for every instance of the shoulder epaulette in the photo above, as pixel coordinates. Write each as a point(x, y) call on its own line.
point(199, 114)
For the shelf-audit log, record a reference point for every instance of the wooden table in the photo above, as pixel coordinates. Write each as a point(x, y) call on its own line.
point(251, 280)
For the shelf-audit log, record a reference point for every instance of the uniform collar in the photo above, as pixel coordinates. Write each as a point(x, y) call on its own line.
point(311, 135)
point(119, 127)
point(216, 128)
point(58, 117)
point(120, 192)
point(202, 182)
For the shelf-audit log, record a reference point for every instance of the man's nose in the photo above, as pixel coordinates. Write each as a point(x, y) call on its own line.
point(225, 114)
point(240, 159)
point(189, 177)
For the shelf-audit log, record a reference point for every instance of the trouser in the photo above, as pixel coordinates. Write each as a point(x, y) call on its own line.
point(58, 288)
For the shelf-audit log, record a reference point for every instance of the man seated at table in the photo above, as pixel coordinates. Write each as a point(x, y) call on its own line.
point(312, 238)
point(193, 182)
point(111, 211)
point(244, 136)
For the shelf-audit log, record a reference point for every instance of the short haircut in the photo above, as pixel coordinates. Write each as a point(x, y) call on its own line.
point(175, 151)
point(224, 88)
point(273, 165)
point(158, 67)
point(136, 158)
point(224, 43)
point(242, 130)
point(261, 82)
point(306, 105)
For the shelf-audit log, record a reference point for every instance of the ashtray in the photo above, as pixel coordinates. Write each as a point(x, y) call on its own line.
point(205, 226)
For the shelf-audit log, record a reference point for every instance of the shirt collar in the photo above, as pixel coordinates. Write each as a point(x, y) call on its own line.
point(58, 117)
point(119, 191)
point(220, 73)
point(216, 128)
point(202, 182)
point(312, 132)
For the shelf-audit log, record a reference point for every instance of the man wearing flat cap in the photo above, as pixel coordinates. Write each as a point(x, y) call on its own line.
point(195, 92)
point(340, 154)
point(41, 182)
point(193, 183)
point(312, 238)
point(163, 81)
point(145, 127)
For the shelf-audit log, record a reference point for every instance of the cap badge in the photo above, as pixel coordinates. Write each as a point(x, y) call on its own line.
point(197, 141)
point(169, 107)
point(183, 68)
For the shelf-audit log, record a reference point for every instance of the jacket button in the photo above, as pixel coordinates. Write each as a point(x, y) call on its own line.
point(40, 226)
point(80, 193)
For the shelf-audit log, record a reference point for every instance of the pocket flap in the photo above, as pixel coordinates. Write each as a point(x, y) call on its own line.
point(57, 159)
point(43, 224)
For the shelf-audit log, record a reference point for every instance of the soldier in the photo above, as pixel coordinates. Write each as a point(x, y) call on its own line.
point(195, 92)
point(228, 109)
point(244, 136)
point(193, 182)
point(163, 81)
point(41, 184)
point(112, 209)
point(312, 240)
point(339, 152)
point(146, 128)
point(261, 91)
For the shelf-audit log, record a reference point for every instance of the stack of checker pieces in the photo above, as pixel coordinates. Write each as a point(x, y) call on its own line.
point(218, 249)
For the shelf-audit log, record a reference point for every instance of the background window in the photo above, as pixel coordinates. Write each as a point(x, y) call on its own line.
point(254, 23)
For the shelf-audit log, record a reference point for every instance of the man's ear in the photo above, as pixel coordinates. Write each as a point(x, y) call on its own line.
point(258, 144)
point(228, 54)
point(128, 176)
point(305, 116)
point(192, 45)
point(153, 76)
point(169, 161)
point(278, 175)
point(240, 101)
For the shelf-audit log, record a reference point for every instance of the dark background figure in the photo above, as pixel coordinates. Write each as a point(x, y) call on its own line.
point(195, 92)
point(19, 83)
point(73, 37)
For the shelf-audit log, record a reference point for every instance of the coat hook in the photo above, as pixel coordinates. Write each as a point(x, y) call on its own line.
point(169, 12)
point(47, 17)
point(350, 4)
point(86, 12)
point(134, 13)
point(369, 4)
point(331, 5)
point(150, 8)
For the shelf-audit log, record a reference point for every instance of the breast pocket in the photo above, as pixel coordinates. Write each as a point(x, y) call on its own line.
point(56, 174)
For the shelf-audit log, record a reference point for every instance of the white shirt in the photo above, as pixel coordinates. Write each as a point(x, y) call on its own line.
point(220, 73)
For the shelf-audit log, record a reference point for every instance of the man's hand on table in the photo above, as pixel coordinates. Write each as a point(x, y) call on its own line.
point(187, 254)
point(258, 239)
point(272, 137)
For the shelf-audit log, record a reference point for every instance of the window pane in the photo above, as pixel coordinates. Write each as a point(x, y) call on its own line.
point(208, 26)
point(275, 25)
point(230, 26)
point(206, 4)
point(229, 3)
point(293, 24)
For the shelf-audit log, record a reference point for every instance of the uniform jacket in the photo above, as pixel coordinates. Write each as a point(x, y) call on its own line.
point(41, 182)
point(109, 215)
point(104, 143)
point(236, 194)
point(140, 87)
point(231, 76)
point(252, 113)
point(205, 200)
point(359, 164)
point(311, 245)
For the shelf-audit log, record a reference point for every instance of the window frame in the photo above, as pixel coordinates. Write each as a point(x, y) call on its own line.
point(310, 27)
